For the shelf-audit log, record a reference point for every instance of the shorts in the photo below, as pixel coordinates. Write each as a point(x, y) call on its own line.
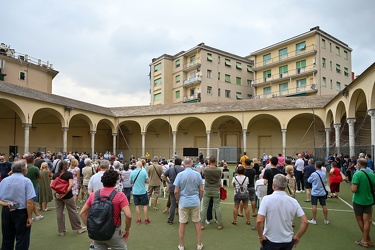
point(153, 189)
point(237, 201)
point(322, 200)
point(308, 185)
point(359, 210)
point(183, 213)
point(251, 194)
point(335, 187)
point(140, 199)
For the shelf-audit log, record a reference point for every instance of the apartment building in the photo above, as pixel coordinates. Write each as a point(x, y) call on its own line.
point(312, 63)
point(25, 71)
point(200, 74)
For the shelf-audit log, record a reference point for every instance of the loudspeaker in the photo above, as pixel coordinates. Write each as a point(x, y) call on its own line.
point(190, 152)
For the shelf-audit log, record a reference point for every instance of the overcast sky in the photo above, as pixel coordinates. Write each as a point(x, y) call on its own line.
point(102, 49)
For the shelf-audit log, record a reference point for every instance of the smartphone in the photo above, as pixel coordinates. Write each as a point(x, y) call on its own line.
point(14, 207)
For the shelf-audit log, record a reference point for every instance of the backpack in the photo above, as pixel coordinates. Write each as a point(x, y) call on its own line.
point(100, 224)
point(241, 192)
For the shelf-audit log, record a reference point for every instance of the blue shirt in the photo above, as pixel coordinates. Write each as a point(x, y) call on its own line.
point(139, 186)
point(317, 185)
point(17, 189)
point(189, 182)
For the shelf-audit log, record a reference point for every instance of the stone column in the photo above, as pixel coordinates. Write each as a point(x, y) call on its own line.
point(351, 122)
point(328, 131)
point(371, 113)
point(174, 134)
point(92, 142)
point(114, 136)
point(65, 138)
point(208, 132)
point(283, 132)
point(143, 144)
point(244, 139)
point(26, 128)
point(337, 136)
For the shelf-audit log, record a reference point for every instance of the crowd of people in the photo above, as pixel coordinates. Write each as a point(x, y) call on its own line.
point(194, 190)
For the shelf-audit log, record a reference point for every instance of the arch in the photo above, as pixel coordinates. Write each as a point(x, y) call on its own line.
point(340, 112)
point(82, 117)
point(129, 138)
point(159, 138)
point(357, 99)
point(372, 97)
point(329, 119)
point(108, 122)
point(13, 106)
point(79, 137)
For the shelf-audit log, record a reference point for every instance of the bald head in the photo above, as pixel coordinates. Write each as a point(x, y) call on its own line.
point(139, 164)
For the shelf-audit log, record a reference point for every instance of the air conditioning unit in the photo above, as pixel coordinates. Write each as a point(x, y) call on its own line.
point(274, 95)
point(313, 86)
point(2, 71)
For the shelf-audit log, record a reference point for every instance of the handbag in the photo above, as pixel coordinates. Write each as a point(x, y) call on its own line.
point(371, 186)
point(59, 185)
point(223, 193)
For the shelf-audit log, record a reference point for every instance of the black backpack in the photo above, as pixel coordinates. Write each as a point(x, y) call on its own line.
point(100, 224)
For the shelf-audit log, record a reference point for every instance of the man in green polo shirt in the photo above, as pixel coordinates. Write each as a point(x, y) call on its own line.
point(33, 174)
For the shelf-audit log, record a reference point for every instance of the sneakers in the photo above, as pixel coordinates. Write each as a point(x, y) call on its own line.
point(303, 190)
point(170, 222)
point(180, 247)
point(139, 222)
point(298, 191)
point(39, 217)
point(362, 243)
point(82, 230)
point(147, 221)
point(312, 221)
point(326, 222)
point(208, 222)
point(63, 233)
point(199, 247)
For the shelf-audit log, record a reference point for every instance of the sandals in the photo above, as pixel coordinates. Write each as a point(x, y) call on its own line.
point(47, 209)
point(241, 215)
point(362, 243)
point(248, 222)
point(234, 222)
point(220, 227)
point(155, 208)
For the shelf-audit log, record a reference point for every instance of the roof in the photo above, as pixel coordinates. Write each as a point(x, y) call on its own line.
point(51, 98)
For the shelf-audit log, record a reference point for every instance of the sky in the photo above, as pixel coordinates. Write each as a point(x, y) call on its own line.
point(102, 49)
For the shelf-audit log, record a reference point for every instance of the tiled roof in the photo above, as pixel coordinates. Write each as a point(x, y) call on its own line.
point(280, 103)
point(51, 98)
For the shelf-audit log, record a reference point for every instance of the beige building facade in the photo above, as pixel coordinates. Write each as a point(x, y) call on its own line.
point(200, 74)
point(312, 63)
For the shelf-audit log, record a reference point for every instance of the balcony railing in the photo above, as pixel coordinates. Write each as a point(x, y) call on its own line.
point(293, 73)
point(300, 90)
point(193, 98)
point(192, 80)
point(284, 58)
point(192, 65)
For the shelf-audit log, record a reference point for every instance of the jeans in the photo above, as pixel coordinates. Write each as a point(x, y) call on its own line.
point(207, 195)
point(209, 210)
point(299, 180)
point(13, 226)
point(173, 206)
point(268, 245)
point(127, 191)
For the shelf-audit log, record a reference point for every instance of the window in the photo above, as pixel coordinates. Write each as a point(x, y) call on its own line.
point(282, 70)
point(338, 68)
point(330, 47)
point(301, 83)
point(300, 65)
point(238, 65)
point(157, 97)
point(324, 62)
point(323, 43)
point(337, 51)
point(330, 65)
point(266, 58)
point(346, 71)
point(249, 68)
point(209, 57)
point(178, 78)
point(157, 82)
point(324, 82)
point(331, 83)
point(227, 62)
point(218, 59)
point(345, 54)
point(177, 63)
point(227, 93)
point(238, 80)
point(192, 59)
point(283, 88)
point(338, 86)
point(209, 90)
point(249, 96)
point(300, 47)
point(209, 73)
point(177, 94)
point(238, 96)
point(157, 67)
point(192, 91)
point(283, 53)
point(266, 91)
point(266, 74)
point(22, 76)
point(218, 75)
point(218, 92)
point(249, 83)
point(227, 78)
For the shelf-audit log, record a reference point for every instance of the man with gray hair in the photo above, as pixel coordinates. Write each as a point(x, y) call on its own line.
point(279, 211)
point(16, 197)
point(55, 163)
point(95, 182)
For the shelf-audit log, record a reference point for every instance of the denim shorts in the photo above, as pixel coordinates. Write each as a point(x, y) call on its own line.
point(140, 199)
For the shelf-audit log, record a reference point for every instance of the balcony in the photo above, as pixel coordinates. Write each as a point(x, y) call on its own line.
point(286, 76)
point(192, 65)
point(309, 50)
point(192, 81)
point(193, 98)
point(305, 90)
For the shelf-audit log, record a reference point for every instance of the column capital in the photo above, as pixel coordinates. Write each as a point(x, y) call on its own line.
point(327, 130)
point(337, 125)
point(65, 129)
point(244, 130)
point(350, 121)
point(371, 112)
point(26, 125)
point(114, 134)
point(92, 132)
point(208, 131)
point(283, 130)
point(174, 132)
point(143, 133)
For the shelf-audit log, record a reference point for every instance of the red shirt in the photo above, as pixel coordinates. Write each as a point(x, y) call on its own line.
point(336, 176)
point(119, 201)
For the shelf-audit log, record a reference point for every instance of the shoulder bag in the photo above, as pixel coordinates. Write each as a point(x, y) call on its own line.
point(371, 186)
point(59, 185)
point(324, 186)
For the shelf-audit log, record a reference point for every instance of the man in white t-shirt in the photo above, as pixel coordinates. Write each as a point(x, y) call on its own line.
point(95, 182)
point(277, 209)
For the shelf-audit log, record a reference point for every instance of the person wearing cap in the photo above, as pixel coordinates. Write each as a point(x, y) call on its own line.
point(154, 173)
